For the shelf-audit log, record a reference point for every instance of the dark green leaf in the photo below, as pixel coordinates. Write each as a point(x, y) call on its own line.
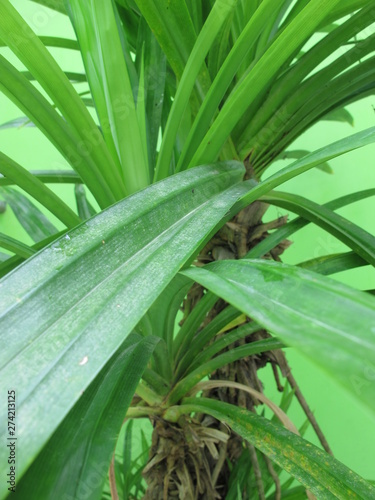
point(359, 240)
point(284, 232)
point(75, 461)
point(319, 472)
point(47, 176)
point(186, 384)
point(20, 38)
point(172, 26)
point(79, 298)
point(57, 5)
point(15, 246)
point(37, 226)
point(331, 264)
point(84, 207)
point(331, 324)
point(296, 154)
point(35, 188)
point(15, 260)
point(340, 115)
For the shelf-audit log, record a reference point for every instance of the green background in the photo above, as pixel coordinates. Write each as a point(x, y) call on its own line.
point(350, 430)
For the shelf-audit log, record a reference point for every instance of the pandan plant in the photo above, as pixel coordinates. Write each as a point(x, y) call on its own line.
point(165, 293)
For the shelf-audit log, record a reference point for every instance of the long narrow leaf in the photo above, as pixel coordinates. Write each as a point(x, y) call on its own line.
point(223, 79)
point(15, 246)
point(84, 207)
point(331, 264)
point(186, 384)
point(47, 177)
point(70, 308)
point(328, 322)
point(284, 232)
point(16, 86)
point(12, 262)
point(263, 72)
point(359, 240)
point(35, 188)
point(20, 38)
point(172, 26)
point(55, 41)
point(83, 446)
point(110, 83)
point(312, 160)
point(204, 41)
point(155, 69)
point(35, 223)
point(322, 474)
point(289, 85)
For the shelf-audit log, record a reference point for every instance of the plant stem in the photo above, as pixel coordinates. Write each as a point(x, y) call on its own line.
point(148, 395)
point(309, 414)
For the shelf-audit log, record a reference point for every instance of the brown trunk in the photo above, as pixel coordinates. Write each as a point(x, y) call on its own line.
point(189, 460)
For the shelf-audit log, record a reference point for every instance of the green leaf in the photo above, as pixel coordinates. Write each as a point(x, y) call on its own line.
point(296, 493)
point(68, 141)
point(259, 77)
point(97, 30)
point(331, 324)
point(13, 261)
point(344, 8)
point(35, 223)
point(83, 446)
point(46, 176)
point(155, 71)
point(284, 232)
point(182, 387)
point(73, 76)
point(359, 240)
point(272, 114)
point(191, 324)
point(340, 115)
point(331, 264)
point(321, 155)
point(319, 472)
point(201, 47)
point(35, 188)
point(210, 350)
point(223, 80)
point(296, 154)
point(84, 207)
point(55, 41)
point(57, 5)
point(172, 26)
point(81, 296)
point(191, 349)
point(15, 246)
point(332, 87)
point(127, 457)
point(160, 321)
point(19, 37)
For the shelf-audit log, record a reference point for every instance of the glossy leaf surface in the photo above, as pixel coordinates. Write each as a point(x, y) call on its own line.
point(67, 321)
point(322, 474)
point(328, 322)
point(76, 460)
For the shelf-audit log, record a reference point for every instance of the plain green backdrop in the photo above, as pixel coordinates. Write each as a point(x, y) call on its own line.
point(350, 430)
